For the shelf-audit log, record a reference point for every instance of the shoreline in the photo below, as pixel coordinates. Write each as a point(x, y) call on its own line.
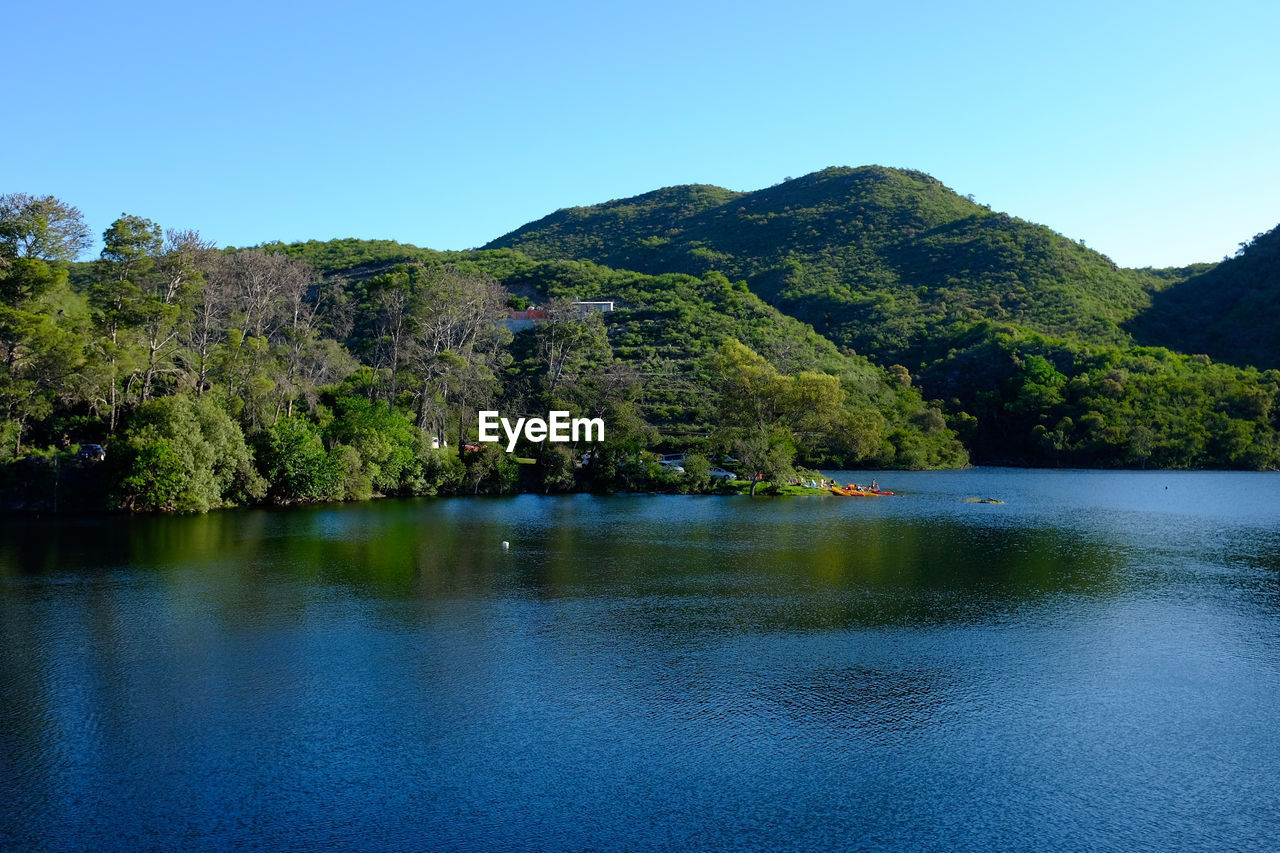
point(739, 488)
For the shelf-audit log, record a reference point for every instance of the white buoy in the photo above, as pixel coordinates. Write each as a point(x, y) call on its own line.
point(505, 545)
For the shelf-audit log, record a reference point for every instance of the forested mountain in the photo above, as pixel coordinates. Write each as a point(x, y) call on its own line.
point(1230, 311)
point(339, 370)
point(888, 262)
point(343, 370)
point(1021, 334)
point(664, 329)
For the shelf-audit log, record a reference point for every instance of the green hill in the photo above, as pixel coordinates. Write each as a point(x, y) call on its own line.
point(1227, 311)
point(889, 262)
point(1025, 338)
point(665, 328)
point(852, 316)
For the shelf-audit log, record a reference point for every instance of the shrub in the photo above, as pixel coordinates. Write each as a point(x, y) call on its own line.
point(184, 455)
point(293, 460)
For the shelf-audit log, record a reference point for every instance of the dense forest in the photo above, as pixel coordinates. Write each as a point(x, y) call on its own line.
point(1037, 349)
point(885, 261)
point(1224, 310)
point(853, 317)
point(339, 371)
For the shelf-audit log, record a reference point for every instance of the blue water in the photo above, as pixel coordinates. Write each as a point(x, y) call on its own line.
point(1093, 664)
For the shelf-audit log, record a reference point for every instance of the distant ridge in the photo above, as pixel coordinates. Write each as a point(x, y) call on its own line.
point(1230, 312)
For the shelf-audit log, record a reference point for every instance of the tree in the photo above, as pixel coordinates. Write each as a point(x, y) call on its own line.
point(130, 247)
point(41, 320)
point(292, 458)
point(387, 443)
point(186, 455)
point(568, 342)
point(156, 479)
point(42, 340)
point(764, 414)
point(491, 466)
point(389, 299)
point(456, 337)
point(270, 289)
point(166, 300)
point(303, 360)
point(270, 348)
point(42, 228)
point(210, 316)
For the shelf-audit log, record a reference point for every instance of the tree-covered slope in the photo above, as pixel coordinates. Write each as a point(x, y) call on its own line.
point(617, 233)
point(1230, 311)
point(1026, 337)
point(666, 328)
point(935, 317)
point(889, 262)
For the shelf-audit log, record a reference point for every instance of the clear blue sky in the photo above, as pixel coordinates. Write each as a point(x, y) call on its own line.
point(1150, 130)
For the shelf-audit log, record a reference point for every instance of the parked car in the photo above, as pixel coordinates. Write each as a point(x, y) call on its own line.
point(718, 473)
point(92, 452)
point(679, 469)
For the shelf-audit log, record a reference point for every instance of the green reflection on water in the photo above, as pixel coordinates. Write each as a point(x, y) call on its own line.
point(768, 566)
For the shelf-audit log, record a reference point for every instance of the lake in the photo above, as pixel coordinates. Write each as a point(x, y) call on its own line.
point(1093, 664)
